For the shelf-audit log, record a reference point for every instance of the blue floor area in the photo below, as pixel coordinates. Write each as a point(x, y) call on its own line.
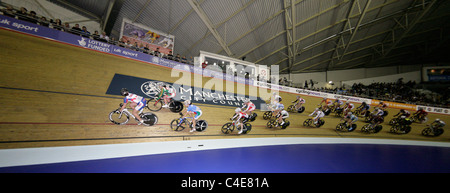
point(302, 158)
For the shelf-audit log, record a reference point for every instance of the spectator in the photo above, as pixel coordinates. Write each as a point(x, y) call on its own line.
point(43, 21)
point(9, 11)
point(22, 14)
point(66, 27)
point(112, 41)
point(191, 61)
point(96, 36)
point(157, 53)
point(121, 43)
point(104, 37)
point(146, 49)
point(177, 58)
point(128, 44)
point(32, 18)
point(58, 25)
point(169, 56)
point(135, 46)
point(85, 32)
point(183, 59)
point(76, 29)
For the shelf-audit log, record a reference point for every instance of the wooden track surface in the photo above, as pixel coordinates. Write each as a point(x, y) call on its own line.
point(54, 95)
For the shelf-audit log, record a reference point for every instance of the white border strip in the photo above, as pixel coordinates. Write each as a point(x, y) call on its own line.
point(32, 156)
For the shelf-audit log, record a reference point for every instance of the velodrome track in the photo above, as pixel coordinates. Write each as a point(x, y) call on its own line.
point(53, 94)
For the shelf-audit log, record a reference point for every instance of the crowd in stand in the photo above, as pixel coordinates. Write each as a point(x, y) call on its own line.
point(395, 92)
point(31, 16)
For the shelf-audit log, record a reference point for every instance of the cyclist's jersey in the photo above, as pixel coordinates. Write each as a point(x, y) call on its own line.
point(300, 100)
point(133, 98)
point(171, 92)
point(250, 106)
point(319, 113)
point(352, 117)
point(339, 102)
point(379, 112)
point(366, 107)
point(284, 114)
point(279, 106)
point(196, 110)
point(421, 112)
point(406, 114)
point(438, 123)
point(350, 106)
point(163, 92)
point(241, 114)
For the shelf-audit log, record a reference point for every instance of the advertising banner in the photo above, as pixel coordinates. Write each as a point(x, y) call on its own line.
point(146, 36)
point(150, 89)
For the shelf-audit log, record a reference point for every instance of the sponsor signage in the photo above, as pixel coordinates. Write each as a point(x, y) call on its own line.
point(150, 89)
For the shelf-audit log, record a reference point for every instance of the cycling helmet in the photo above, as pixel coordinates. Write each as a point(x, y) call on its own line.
point(364, 103)
point(437, 120)
point(124, 92)
point(237, 110)
point(381, 102)
point(349, 113)
point(348, 102)
point(187, 102)
point(402, 110)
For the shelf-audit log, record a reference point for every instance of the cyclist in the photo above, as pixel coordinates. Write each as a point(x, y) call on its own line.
point(192, 111)
point(319, 115)
point(383, 106)
point(167, 94)
point(250, 107)
point(350, 119)
point(278, 108)
point(327, 104)
point(298, 103)
point(403, 112)
point(364, 108)
point(283, 116)
point(421, 114)
point(338, 104)
point(241, 118)
point(137, 103)
point(437, 124)
point(377, 116)
point(348, 108)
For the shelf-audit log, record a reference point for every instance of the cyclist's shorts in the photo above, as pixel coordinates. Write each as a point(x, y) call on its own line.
point(141, 104)
point(198, 114)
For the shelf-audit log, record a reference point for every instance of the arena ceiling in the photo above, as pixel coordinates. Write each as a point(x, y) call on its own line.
point(298, 35)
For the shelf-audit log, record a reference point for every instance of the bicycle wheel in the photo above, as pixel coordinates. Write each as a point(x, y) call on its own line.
point(291, 108)
point(267, 115)
point(149, 119)
point(177, 126)
point(247, 128)
point(152, 105)
point(340, 127)
point(227, 128)
point(201, 125)
point(426, 131)
point(307, 122)
point(119, 118)
point(270, 124)
point(176, 106)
